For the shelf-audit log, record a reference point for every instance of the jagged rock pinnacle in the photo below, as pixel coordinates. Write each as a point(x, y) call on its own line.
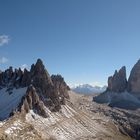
point(134, 79)
point(118, 82)
point(42, 89)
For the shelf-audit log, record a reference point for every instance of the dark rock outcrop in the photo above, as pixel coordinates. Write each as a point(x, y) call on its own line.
point(31, 101)
point(118, 82)
point(45, 90)
point(25, 79)
point(41, 80)
point(10, 78)
point(60, 87)
point(134, 79)
point(125, 95)
point(116, 94)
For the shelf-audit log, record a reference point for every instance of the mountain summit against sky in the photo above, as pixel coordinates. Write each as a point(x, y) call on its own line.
point(121, 92)
point(34, 89)
point(37, 106)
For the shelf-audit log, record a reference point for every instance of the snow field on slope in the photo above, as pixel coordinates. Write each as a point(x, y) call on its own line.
point(10, 102)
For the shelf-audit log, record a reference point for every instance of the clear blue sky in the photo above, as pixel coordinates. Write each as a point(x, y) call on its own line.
point(84, 40)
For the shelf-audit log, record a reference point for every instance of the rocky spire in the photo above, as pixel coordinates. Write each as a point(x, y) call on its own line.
point(41, 80)
point(43, 90)
point(38, 67)
point(61, 87)
point(38, 70)
point(31, 101)
point(26, 78)
point(134, 79)
point(118, 82)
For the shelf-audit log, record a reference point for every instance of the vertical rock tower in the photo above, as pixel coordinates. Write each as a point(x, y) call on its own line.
point(118, 82)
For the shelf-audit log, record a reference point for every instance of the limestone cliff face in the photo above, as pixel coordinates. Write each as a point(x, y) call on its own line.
point(42, 89)
point(134, 79)
point(42, 81)
point(118, 82)
point(60, 87)
point(120, 92)
point(31, 101)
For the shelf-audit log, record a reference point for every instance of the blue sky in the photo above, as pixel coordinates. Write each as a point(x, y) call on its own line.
point(84, 40)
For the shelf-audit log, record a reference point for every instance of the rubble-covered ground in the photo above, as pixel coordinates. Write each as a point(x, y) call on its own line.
point(16, 128)
point(79, 119)
point(128, 121)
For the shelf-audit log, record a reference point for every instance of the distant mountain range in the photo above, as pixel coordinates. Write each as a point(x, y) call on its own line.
point(88, 89)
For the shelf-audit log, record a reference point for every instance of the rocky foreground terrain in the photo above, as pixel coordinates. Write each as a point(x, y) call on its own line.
point(37, 106)
point(77, 120)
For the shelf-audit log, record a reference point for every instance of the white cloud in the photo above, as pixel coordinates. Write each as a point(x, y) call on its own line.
point(3, 60)
point(24, 66)
point(4, 39)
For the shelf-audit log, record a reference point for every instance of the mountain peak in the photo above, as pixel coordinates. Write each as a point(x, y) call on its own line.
point(134, 79)
point(38, 67)
point(118, 82)
point(39, 63)
point(37, 89)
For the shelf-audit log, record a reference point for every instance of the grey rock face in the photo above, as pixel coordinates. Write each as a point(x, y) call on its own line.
point(41, 80)
point(118, 82)
point(46, 90)
point(134, 79)
point(11, 78)
point(60, 87)
point(121, 93)
point(32, 101)
point(25, 78)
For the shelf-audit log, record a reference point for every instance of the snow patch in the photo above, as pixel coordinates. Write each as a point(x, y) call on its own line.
point(16, 126)
point(66, 124)
point(10, 102)
point(2, 123)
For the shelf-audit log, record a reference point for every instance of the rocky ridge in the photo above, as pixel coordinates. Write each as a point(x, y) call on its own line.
point(119, 83)
point(134, 80)
point(124, 96)
point(42, 89)
point(121, 92)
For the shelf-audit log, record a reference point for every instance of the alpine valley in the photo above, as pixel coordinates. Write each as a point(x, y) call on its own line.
point(37, 106)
